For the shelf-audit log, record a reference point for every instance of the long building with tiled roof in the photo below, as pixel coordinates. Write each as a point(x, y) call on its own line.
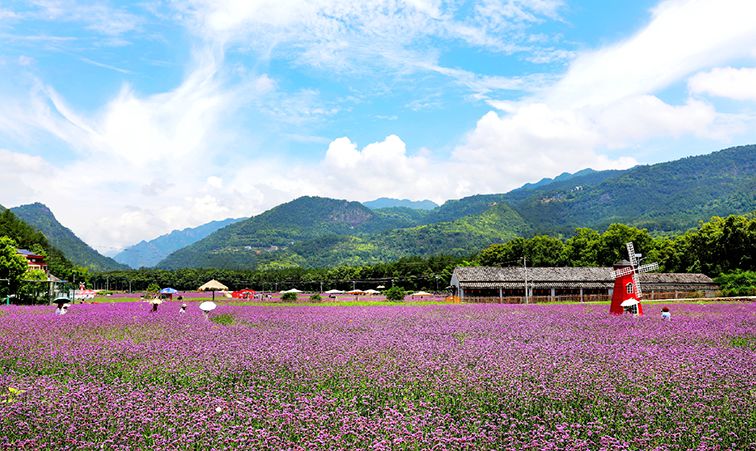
point(509, 282)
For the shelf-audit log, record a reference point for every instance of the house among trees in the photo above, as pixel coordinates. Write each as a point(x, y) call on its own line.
point(34, 261)
point(497, 284)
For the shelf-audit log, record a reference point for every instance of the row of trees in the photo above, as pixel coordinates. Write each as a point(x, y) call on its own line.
point(718, 246)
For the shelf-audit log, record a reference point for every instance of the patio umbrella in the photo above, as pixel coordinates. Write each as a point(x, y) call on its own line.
point(421, 293)
point(169, 291)
point(371, 291)
point(208, 306)
point(355, 292)
point(334, 292)
point(293, 290)
point(213, 285)
point(380, 287)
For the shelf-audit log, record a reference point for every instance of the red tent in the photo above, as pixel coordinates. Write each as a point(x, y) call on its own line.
point(243, 294)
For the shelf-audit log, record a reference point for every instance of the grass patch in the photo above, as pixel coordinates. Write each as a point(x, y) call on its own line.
point(225, 319)
point(746, 341)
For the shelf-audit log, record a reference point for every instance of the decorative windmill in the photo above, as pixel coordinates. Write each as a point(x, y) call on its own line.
point(627, 289)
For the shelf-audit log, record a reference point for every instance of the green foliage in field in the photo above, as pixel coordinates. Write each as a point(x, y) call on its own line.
point(289, 297)
point(394, 294)
point(225, 319)
point(316, 297)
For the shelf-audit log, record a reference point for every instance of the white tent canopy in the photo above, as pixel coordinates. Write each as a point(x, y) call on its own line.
point(293, 290)
point(334, 292)
point(371, 291)
point(421, 293)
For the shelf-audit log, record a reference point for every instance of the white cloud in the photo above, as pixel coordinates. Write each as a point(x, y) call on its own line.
point(728, 82)
point(683, 37)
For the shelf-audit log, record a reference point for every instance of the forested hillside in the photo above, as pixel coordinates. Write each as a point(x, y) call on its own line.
point(42, 219)
point(26, 237)
point(664, 197)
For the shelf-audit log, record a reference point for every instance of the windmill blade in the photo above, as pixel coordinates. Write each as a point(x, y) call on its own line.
point(636, 282)
point(622, 272)
point(631, 254)
point(648, 267)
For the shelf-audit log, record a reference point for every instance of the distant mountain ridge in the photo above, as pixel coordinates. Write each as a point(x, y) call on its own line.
point(40, 217)
point(146, 254)
point(386, 202)
point(312, 231)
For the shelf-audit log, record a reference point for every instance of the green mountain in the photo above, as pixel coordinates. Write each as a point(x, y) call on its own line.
point(42, 219)
point(312, 232)
point(146, 254)
point(664, 197)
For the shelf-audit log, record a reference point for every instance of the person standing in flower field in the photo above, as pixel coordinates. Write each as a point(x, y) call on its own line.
point(182, 310)
point(666, 314)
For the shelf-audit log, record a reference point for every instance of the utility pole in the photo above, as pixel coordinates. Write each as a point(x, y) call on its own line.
point(525, 269)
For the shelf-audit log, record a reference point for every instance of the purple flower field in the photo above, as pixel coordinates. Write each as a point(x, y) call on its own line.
point(115, 376)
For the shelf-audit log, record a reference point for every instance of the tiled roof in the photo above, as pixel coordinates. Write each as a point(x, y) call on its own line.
point(602, 277)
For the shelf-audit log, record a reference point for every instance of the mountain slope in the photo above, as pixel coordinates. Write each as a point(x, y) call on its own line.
point(662, 197)
point(41, 218)
point(249, 242)
point(146, 254)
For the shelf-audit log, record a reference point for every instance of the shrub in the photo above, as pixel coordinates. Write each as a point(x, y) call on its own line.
point(394, 294)
point(289, 297)
point(316, 298)
point(738, 283)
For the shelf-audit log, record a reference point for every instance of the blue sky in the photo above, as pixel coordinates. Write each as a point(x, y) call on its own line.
point(133, 119)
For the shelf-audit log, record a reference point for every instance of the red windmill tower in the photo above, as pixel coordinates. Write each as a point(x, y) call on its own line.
point(627, 290)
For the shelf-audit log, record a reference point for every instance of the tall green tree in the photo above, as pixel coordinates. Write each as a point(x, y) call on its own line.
point(12, 266)
point(611, 247)
point(581, 249)
point(33, 287)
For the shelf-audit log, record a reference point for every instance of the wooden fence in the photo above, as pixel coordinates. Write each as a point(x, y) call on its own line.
point(647, 296)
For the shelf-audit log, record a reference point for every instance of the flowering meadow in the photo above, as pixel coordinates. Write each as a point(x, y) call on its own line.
point(115, 376)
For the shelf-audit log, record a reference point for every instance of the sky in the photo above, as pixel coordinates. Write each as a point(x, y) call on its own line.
point(130, 120)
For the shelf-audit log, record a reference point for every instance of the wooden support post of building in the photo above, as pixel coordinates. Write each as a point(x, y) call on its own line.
point(461, 294)
point(501, 295)
point(553, 294)
point(581, 294)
